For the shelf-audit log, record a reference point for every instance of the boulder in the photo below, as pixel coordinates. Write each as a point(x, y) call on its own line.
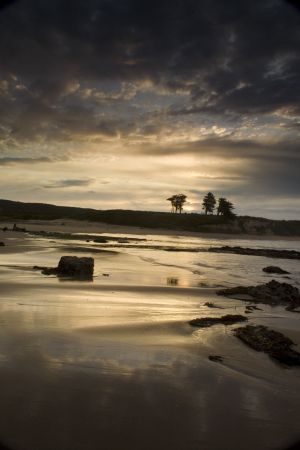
point(75, 266)
point(274, 269)
point(2, 244)
point(100, 240)
point(71, 266)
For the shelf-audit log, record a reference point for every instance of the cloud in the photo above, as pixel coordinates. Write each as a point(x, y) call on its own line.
point(68, 183)
point(240, 56)
point(8, 161)
point(207, 88)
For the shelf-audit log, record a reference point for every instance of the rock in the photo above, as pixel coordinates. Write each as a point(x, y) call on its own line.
point(100, 240)
point(274, 269)
point(276, 293)
point(71, 266)
point(75, 266)
point(251, 308)
point(2, 244)
point(215, 358)
point(212, 305)
point(275, 344)
point(272, 293)
point(229, 319)
point(15, 228)
point(270, 253)
point(233, 291)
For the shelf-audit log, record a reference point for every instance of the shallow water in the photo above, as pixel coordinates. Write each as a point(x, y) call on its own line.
point(113, 363)
point(205, 268)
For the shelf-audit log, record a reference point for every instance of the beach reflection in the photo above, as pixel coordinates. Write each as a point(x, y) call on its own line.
point(115, 364)
point(94, 390)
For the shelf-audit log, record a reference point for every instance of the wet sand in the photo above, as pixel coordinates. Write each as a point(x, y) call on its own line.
point(113, 363)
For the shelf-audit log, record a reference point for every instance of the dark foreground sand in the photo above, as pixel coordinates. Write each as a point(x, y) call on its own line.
point(113, 364)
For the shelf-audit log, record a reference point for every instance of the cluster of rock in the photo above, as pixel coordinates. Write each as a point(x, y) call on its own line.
point(277, 293)
point(270, 253)
point(275, 269)
point(229, 319)
point(271, 342)
point(272, 293)
point(71, 266)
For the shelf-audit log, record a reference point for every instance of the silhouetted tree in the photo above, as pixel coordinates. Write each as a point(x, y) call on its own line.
point(225, 207)
point(177, 202)
point(209, 203)
point(172, 200)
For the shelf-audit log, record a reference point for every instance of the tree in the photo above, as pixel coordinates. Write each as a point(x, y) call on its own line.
point(225, 207)
point(177, 202)
point(209, 203)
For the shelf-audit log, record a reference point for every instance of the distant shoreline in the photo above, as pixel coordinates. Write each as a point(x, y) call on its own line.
point(164, 223)
point(81, 226)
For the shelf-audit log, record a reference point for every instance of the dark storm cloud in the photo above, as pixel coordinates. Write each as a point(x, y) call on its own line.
point(235, 55)
point(7, 161)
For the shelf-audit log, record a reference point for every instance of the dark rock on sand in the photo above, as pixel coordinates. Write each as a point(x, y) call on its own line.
point(215, 358)
point(251, 308)
point(71, 266)
point(74, 266)
point(274, 269)
point(212, 305)
point(270, 253)
point(229, 319)
point(100, 240)
point(276, 293)
point(15, 228)
point(233, 291)
point(272, 293)
point(277, 345)
point(2, 244)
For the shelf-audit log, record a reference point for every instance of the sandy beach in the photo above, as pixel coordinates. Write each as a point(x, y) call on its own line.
point(113, 363)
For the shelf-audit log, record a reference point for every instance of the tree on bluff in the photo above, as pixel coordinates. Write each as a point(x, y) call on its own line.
point(225, 207)
point(209, 203)
point(177, 202)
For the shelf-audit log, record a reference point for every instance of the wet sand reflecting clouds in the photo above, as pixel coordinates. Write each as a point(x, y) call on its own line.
point(110, 364)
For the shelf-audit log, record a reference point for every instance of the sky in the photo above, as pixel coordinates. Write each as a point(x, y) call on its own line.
point(120, 104)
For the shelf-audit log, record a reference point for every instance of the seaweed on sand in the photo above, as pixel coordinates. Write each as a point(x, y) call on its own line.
point(229, 319)
point(272, 342)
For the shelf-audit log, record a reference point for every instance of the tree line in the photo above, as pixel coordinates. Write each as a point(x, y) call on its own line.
point(224, 207)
